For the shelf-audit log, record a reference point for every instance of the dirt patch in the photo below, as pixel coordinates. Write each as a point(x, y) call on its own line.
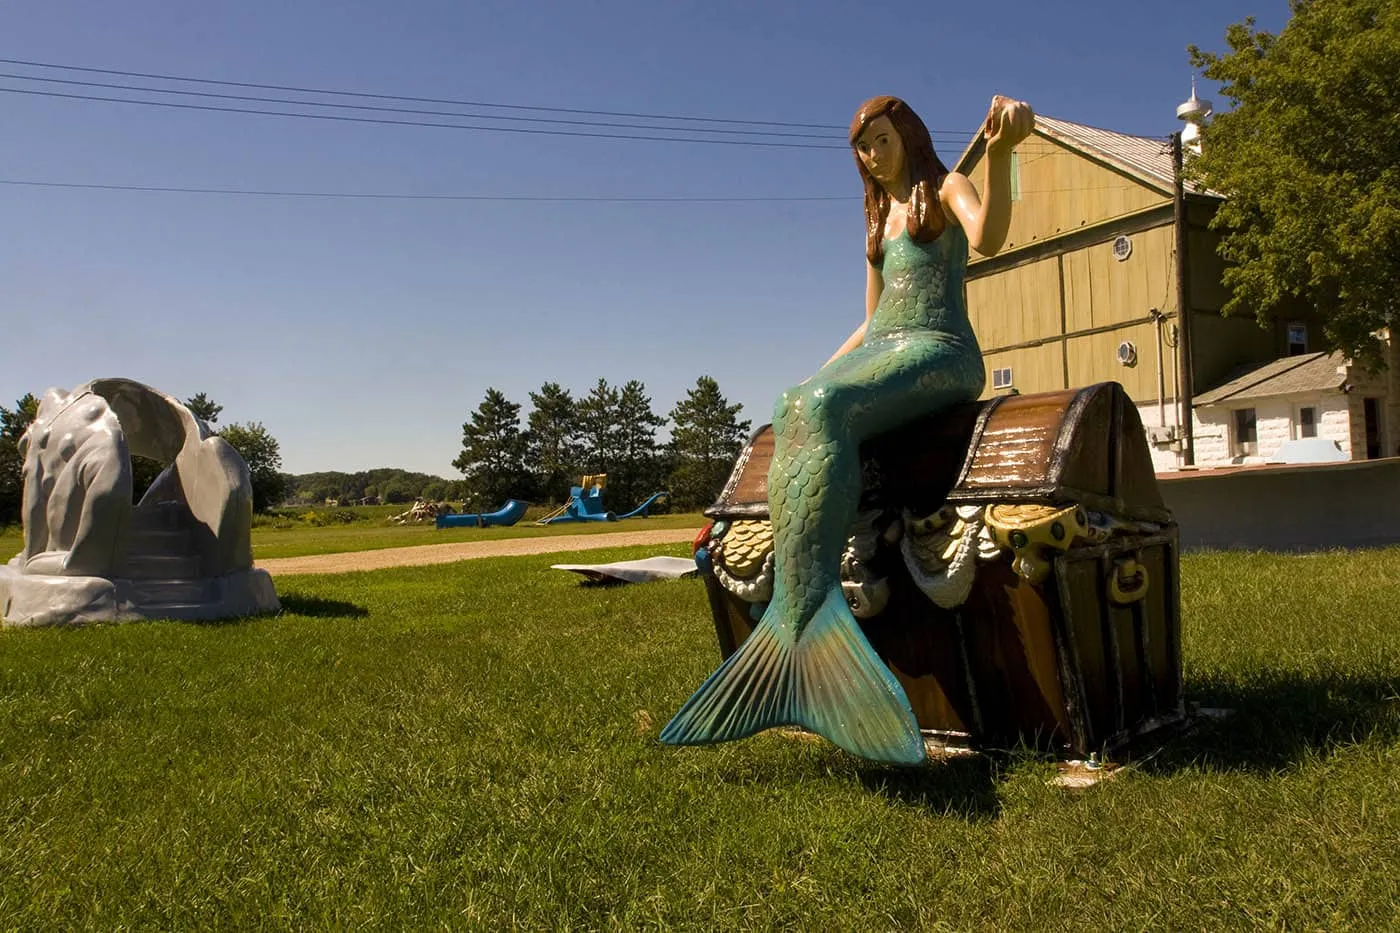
point(468, 550)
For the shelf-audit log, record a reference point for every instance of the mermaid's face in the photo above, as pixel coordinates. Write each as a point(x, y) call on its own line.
point(881, 151)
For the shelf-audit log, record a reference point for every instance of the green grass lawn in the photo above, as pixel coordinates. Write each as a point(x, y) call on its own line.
point(298, 540)
point(11, 540)
point(290, 538)
point(474, 746)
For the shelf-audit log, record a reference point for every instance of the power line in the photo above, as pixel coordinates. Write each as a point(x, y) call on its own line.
point(408, 110)
point(1031, 145)
point(340, 118)
point(952, 134)
point(418, 100)
point(946, 138)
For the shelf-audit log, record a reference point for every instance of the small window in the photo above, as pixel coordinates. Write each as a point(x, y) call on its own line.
point(1015, 175)
point(1001, 378)
point(1297, 339)
point(1245, 439)
point(1307, 422)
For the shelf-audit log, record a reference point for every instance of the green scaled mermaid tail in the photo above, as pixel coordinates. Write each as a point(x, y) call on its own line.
point(808, 663)
point(830, 682)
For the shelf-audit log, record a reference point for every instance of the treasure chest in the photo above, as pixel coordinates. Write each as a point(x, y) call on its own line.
point(1012, 563)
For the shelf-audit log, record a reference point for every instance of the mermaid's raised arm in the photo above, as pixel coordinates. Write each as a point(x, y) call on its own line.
point(986, 219)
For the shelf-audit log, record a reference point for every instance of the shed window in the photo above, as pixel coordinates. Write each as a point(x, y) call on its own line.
point(1015, 175)
point(1001, 378)
point(1244, 441)
point(1307, 422)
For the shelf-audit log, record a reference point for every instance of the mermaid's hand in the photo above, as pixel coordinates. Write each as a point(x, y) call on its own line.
point(1008, 122)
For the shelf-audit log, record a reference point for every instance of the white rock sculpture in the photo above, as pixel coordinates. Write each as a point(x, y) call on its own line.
point(183, 552)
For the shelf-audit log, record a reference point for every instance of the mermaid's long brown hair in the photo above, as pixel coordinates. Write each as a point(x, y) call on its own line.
point(926, 172)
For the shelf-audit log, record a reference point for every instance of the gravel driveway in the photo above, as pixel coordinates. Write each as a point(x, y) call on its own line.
point(468, 550)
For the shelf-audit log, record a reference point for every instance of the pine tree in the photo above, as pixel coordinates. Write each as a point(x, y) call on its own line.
point(204, 407)
point(599, 429)
point(706, 437)
point(637, 471)
point(493, 450)
point(552, 441)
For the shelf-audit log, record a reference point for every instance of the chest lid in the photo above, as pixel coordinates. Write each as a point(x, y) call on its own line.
point(1079, 445)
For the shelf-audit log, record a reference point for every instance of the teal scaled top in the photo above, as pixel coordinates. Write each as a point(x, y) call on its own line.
point(924, 287)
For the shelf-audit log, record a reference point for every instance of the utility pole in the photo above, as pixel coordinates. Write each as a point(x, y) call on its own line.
point(1183, 310)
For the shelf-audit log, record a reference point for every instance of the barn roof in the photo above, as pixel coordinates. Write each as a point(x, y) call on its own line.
point(1146, 158)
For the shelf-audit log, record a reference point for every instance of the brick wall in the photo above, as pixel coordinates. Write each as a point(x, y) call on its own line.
point(1212, 436)
point(1335, 424)
point(1163, 457)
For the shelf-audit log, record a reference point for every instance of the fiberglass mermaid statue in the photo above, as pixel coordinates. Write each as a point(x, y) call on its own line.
point(807, 663)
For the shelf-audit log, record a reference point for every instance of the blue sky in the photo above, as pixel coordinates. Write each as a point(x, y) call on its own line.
point(363, 332)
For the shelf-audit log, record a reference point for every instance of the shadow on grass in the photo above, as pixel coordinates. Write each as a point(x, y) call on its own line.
point(588, 583)
point(1280, 718)
point(318, 608)
point(963, 787)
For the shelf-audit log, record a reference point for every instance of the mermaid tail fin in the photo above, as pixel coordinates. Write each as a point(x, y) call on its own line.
point(826, 679)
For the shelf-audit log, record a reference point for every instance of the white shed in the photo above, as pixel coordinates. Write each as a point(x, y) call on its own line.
point(1310, 396)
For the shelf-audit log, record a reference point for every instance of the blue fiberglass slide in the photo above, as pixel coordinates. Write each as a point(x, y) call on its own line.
point(507, 514)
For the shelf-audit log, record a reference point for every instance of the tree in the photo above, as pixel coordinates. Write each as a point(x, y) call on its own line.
point(706, 436)
point(13, 424)
point(552, 440)
point(493, 449)
point(637, 467)
point(396, 491)
point(260, 451)
point(204, 407)
point(1309, 158)
point(599, 428)
point(144, 472)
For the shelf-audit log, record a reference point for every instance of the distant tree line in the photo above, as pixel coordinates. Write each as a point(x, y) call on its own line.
point(612, 430)
point(385, 485)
